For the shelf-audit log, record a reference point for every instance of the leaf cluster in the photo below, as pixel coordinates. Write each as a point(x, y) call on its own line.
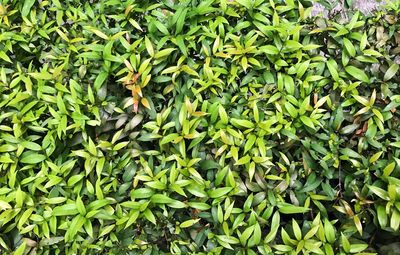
point(197, 127)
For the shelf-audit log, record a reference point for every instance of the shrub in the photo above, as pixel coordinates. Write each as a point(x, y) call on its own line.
point(197, 127)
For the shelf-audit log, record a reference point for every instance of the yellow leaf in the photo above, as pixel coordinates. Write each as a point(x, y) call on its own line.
point(128, 65)
point(199, 114)
point(98, 33)
point(62, 35)
point(188, 223)
point(145, 103)
point(244, 63)
point(358, 224)
point(149, 46)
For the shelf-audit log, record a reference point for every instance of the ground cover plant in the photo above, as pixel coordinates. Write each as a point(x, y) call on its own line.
point(198, 127)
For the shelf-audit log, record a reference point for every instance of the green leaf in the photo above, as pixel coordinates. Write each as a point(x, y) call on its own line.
point(169, 138)
point(219, 192)
point(161, 199)
point(21, 249)
point(223, 115)
point(296, 230)
point(378, 114)
point(392, 70)
point(181, 44)
point(26, 8)
point(74, 179)
point(382, 216)
point(269, 49)
point(100, 80)
point(357, 73)
point(8, 147)
point(349, 47)
point(389, 169)
point(76, 225)
point(364, 41)
point(274, 227)
point(208, 164)
point(80, 206)
point(199, 205)
point(379, 192)
point(249, 143)
point(356, 248)
point(55, 200)
point(32, 158)
point(256, 238)
point(31, 145)
point(67, 209)
point(293, 45)
point(375, 157)
point(142, 193)
point(245, 3)
point(164, 53)
point(350, 153)
point(242, 123)
point(161, 27)
point(188, 223)
point(97, 32)
point(4, 205)
point(41, 76)
point(302, 68)
point(196, 191)
point(150, 216)
point(395, 220)
point(289, 84)
point(307, 121)
point(329, 231)
point(243, 160)
point(291, 109)
point(92, 148)
point(132, 218)
point(246, 235)
point(149, 46)
point(180, 21)
point(106, 230)
point(332, 66)
point(4, 56)
point(345, 243)
point(292, 209)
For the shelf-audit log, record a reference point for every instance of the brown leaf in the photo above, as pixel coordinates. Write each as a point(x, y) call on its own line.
point(135, 107)
point(135, 78)
point(365, 127)
point(348, 209)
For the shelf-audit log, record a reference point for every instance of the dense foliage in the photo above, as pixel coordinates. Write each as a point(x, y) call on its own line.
point(197, 127)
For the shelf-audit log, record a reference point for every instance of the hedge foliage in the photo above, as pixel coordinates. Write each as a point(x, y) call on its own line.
point(197, 127)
